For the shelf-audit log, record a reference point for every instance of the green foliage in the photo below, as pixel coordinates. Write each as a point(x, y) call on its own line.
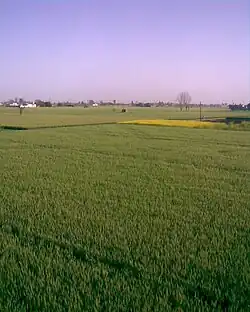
point(124, 218)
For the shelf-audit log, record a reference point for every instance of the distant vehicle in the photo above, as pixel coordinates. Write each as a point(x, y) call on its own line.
point(95, 105)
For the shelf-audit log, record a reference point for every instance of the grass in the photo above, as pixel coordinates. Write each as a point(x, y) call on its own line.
point(52, 117)
point(123, 217)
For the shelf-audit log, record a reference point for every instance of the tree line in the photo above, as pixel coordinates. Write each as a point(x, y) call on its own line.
point(234, 107)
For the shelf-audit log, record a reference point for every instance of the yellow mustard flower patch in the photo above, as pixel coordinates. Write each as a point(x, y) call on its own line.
point(172, 123)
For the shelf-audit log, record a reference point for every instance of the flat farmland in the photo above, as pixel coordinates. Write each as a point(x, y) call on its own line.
point(55, 116)
point(121, 217)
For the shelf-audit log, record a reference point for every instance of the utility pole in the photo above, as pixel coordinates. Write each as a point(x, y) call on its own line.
point(200, 111)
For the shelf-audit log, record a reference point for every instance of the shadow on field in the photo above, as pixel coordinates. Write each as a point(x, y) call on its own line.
point(224, 287)
point(228, 120)
point(13, 128)
point(17, 128)
point(227, 287)
point(78, 253)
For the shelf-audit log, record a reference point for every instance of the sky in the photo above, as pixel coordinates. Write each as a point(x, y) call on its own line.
point(125, 50)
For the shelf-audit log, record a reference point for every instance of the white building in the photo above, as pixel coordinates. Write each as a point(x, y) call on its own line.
point(28, 105)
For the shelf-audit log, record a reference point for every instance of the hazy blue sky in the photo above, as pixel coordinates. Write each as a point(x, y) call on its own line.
point(125, 49)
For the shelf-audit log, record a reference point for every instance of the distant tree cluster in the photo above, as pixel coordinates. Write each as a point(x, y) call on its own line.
point(65, 104)
point(183, 102)
point(241, 107)
point(140, 104)
point(43, 104)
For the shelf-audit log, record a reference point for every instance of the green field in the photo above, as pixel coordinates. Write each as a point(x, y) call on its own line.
point(51, 117)
point(117, 217)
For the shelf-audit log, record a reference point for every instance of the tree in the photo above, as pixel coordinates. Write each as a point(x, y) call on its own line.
point(91, 102)
point(39, 102)
point(184, 99)
point(20, 101)
point(47, 104)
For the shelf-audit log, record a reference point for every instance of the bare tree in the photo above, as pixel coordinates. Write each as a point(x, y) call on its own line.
point(184, 99)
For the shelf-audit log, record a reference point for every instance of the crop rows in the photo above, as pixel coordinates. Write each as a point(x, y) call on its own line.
point(124, 218)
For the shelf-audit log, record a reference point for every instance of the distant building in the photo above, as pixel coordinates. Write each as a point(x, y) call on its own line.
point(28, 105)
point(15, 104)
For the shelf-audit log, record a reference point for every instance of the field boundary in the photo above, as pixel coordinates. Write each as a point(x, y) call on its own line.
point(17, 128)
